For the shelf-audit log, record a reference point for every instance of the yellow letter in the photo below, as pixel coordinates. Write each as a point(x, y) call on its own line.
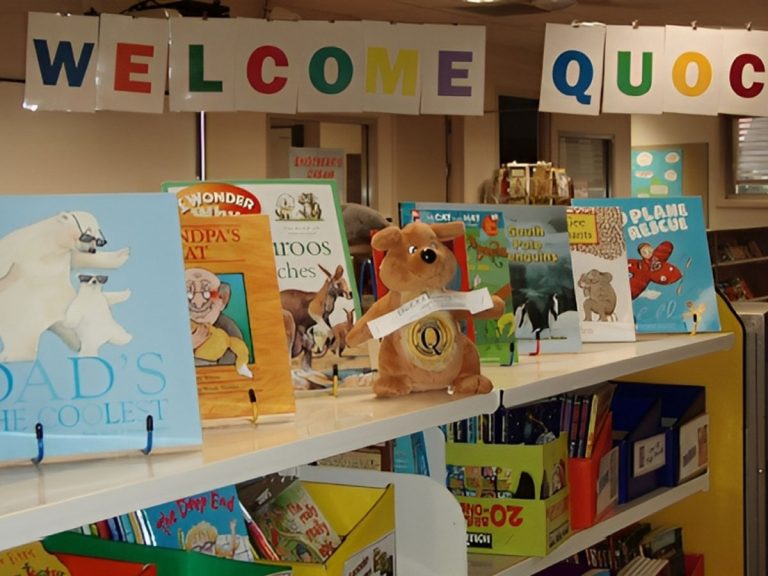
point(406, 66)
point(704, 77)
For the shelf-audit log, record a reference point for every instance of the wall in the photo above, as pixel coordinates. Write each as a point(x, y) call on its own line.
point(57, 152)
point(236, 145)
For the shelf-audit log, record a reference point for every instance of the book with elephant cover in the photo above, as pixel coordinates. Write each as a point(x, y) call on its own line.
point(540, 272)
point(235, 318)
point(317, 285)
point(486, 266)
point(93, 327)
point(599, 257)
point(670, 273)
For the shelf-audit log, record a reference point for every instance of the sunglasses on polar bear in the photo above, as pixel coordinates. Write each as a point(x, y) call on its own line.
point(84, 278)
point(86, 237)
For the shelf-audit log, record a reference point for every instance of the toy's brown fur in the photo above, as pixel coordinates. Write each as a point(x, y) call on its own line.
point(408, 273)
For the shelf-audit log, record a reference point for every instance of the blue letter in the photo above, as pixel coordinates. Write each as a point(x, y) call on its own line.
point(45, 382)
point(76, 373)
point(50, 71)
point(8, 382)
point(151, 372)
point(584, 80)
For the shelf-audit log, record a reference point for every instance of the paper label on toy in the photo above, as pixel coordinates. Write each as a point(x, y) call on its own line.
point(425, 304)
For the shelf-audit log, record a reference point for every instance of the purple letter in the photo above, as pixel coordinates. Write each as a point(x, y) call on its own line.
point(446, 73)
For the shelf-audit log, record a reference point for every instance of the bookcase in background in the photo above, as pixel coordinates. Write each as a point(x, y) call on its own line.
point(740, 262)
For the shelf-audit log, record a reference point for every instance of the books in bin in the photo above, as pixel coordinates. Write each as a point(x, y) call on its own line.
point(486, 251)
point(317, 284)
point(94, 327)
point(235, 318)
point(210, 523)
point(670, 271)
point(541, 274)
point(599, 258)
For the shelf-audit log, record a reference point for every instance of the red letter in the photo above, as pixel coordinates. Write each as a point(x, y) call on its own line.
point(125, 66)
point(737, 75)
point(256, 65)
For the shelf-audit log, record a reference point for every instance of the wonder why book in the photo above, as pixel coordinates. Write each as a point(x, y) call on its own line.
point(94, 327)
point(670, 273)
point(235, 318)
point(317, 287)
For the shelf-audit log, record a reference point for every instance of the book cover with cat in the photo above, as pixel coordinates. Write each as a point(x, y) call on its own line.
point(599, 257)
point(236, 320)
point(540, 273)
point(486, 267)
point(317, 285)
point(93, 327)
point(210, 523)
point(670, 273)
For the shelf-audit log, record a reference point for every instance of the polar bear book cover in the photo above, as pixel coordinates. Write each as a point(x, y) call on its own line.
point(236, 319)
point(94, 330)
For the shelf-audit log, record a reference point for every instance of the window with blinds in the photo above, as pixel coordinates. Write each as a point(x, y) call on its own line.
point(586, 160)
point(750, 158)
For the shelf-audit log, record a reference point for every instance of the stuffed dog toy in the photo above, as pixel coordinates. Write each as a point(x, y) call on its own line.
point(430, 353)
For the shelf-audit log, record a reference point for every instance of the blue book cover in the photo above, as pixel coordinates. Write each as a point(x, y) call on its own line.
point(540, 272)
point(94, 327)
point(210, 523)
point(487, 267)
point(670, 272)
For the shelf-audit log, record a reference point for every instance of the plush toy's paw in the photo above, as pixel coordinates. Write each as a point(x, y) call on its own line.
point(475, 384)
point(387, 386)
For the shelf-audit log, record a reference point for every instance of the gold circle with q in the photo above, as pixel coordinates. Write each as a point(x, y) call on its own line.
point(430, 338)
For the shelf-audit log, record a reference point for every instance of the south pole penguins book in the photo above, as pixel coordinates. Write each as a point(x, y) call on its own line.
point(599, 257)
point(96, 347)
point(670, 273)
point(540, 272)
point(235, 318)
point(318, 292)
point(486, 247)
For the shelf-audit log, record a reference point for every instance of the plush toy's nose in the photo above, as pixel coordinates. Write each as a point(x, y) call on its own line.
point(428, 255)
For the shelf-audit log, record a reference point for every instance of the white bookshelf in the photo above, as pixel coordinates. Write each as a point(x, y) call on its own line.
point(38, 501)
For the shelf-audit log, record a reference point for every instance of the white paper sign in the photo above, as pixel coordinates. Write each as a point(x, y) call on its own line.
point(319, 164)
point(607, 481)
point(421, 306)
point(202, 65)
point(61, 62)
point(572, 70)
point(694, 446)
point(393, 67)
point(267, 67)
point(332, 77)
point(633, 69)
point(132, 64)
point(453, 70)
point(649, 455)
point(692, 58)
point(743, 75)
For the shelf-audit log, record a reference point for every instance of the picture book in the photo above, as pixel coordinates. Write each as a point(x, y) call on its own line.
point(209, 522)
point(540, 272)
point(599, 258)
point(94, 329)
point(33, 559)
point(295, 526)
point(318, 292)
point(235, 315)
point(670, 273)
point(486, 251)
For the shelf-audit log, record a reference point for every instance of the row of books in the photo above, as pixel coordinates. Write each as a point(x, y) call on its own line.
point(271, 518)
point(731, 251)
point(404, 455)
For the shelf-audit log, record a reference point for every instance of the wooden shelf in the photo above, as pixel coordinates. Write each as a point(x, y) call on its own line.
point(38, 501)
point(490, 565)
point(740, 261)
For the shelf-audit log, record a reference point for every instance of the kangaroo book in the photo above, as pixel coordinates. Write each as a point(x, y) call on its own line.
point(94, 328)
point(234, 312)
point(318, 293)
point(486, 267)
point(599, 257)
point(210, 522)
point(670, 273)
point(540, 272)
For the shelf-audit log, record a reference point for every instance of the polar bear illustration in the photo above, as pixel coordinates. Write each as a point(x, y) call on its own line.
point(35, 285)
point(90, 315)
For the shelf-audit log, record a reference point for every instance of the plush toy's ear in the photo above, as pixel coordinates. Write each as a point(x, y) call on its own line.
point(448, 230)
point(387, 238)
